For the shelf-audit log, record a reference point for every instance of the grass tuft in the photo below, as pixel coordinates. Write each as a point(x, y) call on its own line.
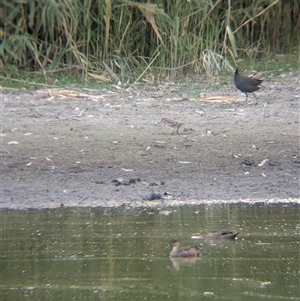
point(121, 41)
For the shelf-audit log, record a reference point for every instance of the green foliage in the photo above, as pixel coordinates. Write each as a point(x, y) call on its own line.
point(125, 40)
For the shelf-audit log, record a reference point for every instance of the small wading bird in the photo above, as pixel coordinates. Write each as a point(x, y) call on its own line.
point(183, 252)
point(171, 124)
point(247, 84)
point(222, 234)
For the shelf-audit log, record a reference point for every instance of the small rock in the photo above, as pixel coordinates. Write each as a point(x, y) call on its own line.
point(133, 181)
point(154, 196)
point(248, 162)
point(118, 181)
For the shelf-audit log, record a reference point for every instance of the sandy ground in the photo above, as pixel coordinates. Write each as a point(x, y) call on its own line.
point(77, 147)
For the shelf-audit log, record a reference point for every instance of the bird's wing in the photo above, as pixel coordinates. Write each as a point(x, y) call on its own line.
point(252, 81)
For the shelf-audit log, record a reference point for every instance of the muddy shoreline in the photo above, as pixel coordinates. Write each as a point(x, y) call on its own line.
point(103, 148)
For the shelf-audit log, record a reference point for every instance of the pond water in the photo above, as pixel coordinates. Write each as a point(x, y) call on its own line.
point(119, 254)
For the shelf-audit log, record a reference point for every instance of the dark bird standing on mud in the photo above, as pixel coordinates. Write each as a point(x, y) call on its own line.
point(246, 84)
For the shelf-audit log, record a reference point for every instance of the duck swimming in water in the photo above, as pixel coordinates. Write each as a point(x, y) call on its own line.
point(222, 234)
point(185, 251)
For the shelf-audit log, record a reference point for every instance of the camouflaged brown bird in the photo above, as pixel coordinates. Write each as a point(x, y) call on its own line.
point(185, 251)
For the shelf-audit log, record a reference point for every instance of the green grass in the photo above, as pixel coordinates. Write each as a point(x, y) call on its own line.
point(32, 80)
point(58, 42)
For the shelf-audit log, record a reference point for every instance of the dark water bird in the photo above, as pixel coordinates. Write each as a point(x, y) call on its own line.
point(221, 234)
point(185, 251)
point(246, 84)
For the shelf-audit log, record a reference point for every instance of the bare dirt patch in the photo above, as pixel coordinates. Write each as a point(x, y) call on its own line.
point(104, 149)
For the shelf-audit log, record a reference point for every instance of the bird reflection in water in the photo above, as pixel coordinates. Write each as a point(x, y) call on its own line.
point(180, 262)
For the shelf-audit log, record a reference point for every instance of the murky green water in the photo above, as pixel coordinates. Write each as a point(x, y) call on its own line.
point(115, 254)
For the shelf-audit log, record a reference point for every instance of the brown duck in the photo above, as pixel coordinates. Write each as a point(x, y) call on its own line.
point(221, 234)
point(247, 84)
point(185, 251)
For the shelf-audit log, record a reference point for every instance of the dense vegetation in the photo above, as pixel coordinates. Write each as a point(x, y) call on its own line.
point(120, 40)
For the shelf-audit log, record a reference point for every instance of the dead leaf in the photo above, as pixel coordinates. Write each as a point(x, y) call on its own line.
point(12, 142)
point(99, 78)
point(263, 162)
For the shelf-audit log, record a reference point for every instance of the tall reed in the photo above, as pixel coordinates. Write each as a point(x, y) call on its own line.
point(123, 38)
